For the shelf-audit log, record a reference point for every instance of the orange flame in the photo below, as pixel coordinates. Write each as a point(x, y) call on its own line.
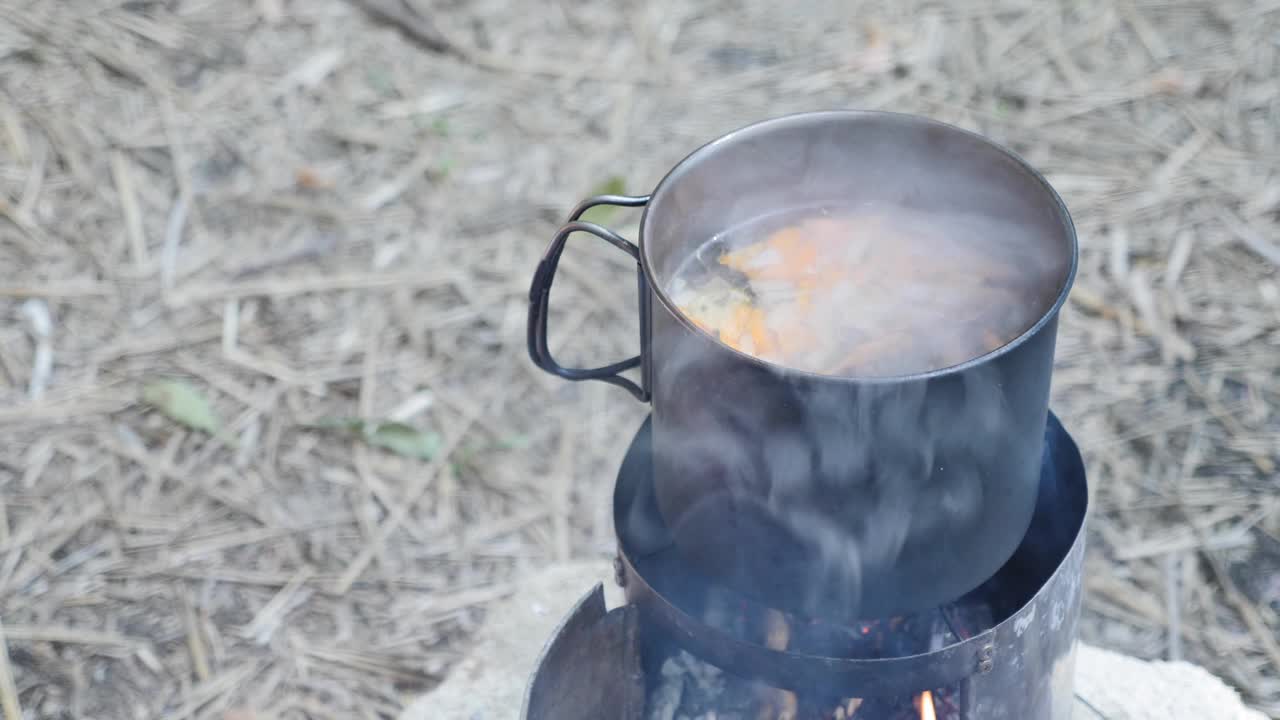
point(927, 711)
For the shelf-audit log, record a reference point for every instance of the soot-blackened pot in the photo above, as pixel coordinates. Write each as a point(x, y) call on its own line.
point(837, 497)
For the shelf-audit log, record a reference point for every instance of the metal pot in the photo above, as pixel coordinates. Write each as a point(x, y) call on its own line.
point(834, 497)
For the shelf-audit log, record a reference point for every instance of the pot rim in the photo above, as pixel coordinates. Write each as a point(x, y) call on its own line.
point(761, 126)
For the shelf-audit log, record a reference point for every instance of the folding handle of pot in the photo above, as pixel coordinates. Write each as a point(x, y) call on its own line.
point(540, 297)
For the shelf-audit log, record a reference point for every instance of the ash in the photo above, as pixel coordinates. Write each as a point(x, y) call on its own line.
point(690, 689)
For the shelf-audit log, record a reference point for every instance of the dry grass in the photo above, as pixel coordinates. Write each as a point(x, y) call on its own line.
point(309, 215)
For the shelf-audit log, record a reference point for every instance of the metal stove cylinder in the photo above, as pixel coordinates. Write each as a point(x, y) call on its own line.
point(1019, 669)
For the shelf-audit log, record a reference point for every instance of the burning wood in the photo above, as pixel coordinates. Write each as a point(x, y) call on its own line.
point(927, 711)
point(777, 630)
point(778, 637)
point(847, 710)
point(694, 690)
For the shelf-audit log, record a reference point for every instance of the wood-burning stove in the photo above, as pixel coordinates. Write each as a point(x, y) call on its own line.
point(685, 647)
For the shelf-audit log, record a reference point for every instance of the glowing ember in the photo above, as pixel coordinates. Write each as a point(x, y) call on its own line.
point(927, 711)
point(777, 630)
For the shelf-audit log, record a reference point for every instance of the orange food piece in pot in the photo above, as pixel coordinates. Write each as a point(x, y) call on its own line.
point(744, 257)
point(799, 253)
point(761, 338)
point(785, 255)
point(737, 327)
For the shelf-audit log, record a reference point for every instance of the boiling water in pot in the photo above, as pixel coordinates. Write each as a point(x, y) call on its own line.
point(868, 291)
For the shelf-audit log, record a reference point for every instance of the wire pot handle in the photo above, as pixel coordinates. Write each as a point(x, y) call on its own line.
point(540, 298)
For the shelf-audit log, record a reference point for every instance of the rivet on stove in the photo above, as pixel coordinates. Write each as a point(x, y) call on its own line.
point(986, 659)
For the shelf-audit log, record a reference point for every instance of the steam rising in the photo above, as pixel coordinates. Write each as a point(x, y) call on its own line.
point(846, 499)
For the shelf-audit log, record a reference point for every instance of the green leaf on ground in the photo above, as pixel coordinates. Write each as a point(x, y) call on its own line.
point(400, 438)
point(512, 442)
point(601, 214)
point(182, 403)
point(403, 439)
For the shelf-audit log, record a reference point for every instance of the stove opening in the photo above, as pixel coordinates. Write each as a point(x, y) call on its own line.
point(689, 688)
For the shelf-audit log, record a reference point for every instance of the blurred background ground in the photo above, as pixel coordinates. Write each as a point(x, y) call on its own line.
point(288, 222)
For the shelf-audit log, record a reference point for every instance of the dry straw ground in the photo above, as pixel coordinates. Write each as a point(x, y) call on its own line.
point(304, 215)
